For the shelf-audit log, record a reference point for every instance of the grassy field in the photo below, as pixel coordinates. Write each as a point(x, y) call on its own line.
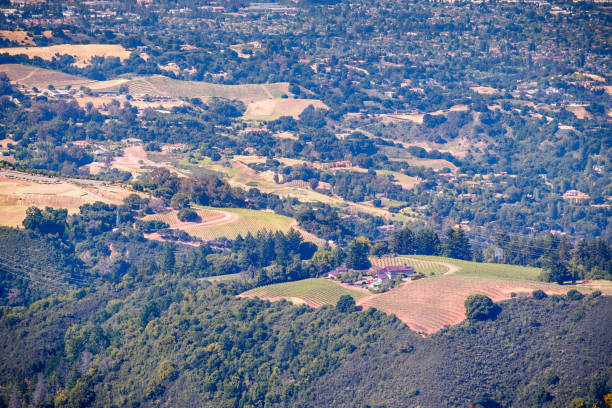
point(30, 76)
point(222, 278)
point(18, 36)
point(313, 292)
point(488, 270)
point(407, 182)
point(435, 164)
point(226, 222)
point(82, 53)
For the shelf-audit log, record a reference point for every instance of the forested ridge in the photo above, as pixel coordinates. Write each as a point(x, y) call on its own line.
point(148, 328)
point(171, 340)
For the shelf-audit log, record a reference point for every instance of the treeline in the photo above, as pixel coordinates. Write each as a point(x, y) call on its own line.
point(404, 241)
point(205, 190)
point(562, 259)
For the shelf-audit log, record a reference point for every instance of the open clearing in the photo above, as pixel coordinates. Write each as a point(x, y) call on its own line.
point(18, 36)
point(30, 77)
point(272, 109)
point(435, 164)
point(579, 111)
point(82, 53)
point(406, 182)
point(134, 158)
point(484, 90)
point(18, 191)
point(313, 292)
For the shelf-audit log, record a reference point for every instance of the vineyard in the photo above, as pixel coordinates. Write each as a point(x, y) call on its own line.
point(313, 292)
point(170, 217)
point(427, 305)
point(487, 270)
point(426, 267)
point(245, 221)
point(161, 85)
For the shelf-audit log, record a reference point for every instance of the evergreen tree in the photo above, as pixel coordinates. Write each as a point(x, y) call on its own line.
point(457, 244)
point(556, 270)
point(428, 243)
point(403, 242)
point(168, 259)
point(357, 254)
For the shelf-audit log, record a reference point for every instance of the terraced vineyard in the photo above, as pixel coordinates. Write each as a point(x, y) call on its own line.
point(243, 222)
point(161, 85)
point(426, 267)
point(487, 270)
point(170, 217)
point(427, 305)
point(313, 292)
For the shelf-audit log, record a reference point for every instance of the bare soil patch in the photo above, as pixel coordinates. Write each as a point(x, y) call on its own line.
point(579, 111)
point(270, 109)
point(133, 159)
point(484, 90)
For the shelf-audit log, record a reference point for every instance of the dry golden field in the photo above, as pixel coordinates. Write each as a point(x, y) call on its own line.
point(82, 53)
point(19, 191)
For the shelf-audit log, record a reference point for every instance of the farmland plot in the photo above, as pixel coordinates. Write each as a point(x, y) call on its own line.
point(242, 222)
point(430, 304)
point(426, 267)
point(230, 222)
point(314, 292)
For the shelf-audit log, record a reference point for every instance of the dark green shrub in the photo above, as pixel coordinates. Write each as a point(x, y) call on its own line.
point(574, 295)
point(539, 294)
point(346, 304)
point(480, 307)
point(188, 215)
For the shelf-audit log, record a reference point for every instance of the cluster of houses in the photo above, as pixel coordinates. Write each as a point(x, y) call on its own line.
point(376, 275)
